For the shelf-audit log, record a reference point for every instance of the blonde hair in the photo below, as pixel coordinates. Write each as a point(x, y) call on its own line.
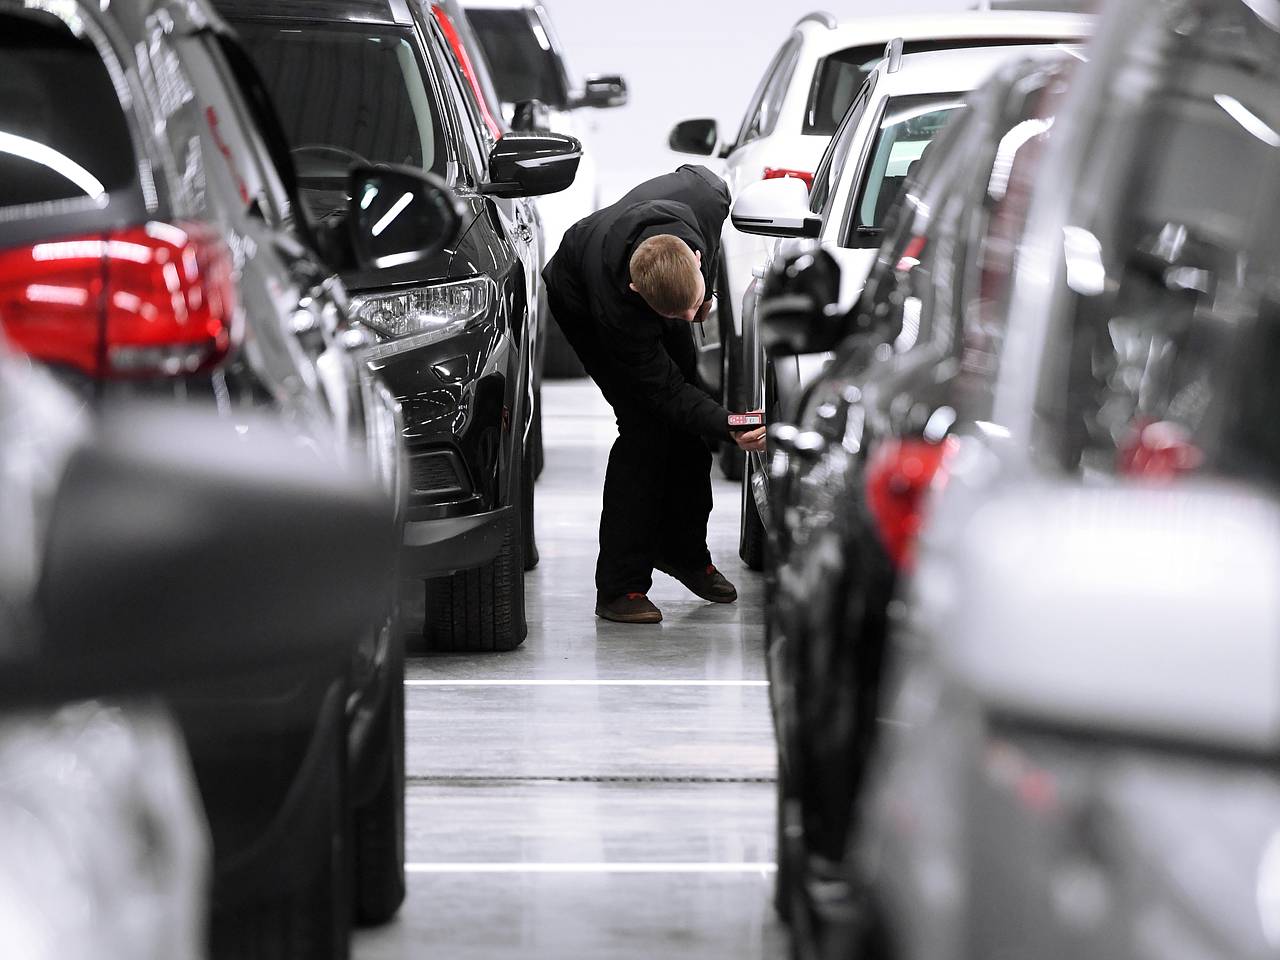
point(665, 272)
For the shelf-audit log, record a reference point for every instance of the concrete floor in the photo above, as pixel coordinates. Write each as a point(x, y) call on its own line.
point(603, 792)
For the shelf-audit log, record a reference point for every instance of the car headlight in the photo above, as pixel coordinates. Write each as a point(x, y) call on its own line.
point(419, 315)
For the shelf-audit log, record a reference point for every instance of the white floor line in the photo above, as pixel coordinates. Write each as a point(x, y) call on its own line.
point(551, 682)
point(748, 867)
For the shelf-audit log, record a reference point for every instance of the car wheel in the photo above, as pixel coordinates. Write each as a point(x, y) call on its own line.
point(732, 459)
point(751, 535)
point(378, 824)
point(560, 362)
point(480, 610)
point(782, 883)
point(535, 437)
point(311, 921)
point(527, 497)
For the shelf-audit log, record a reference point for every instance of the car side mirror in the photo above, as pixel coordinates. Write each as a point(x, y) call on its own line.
point(798, 305)
point(181, 545)
point(699, 137)
point(531, 115)
point(603, 91)
point(398, 215)
point(532, 165)
point(776, 208)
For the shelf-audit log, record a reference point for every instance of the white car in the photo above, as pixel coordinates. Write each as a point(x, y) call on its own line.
point(904, 103)
point(804, 95)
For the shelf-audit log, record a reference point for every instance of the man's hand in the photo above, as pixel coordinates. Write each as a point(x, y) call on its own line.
point(752, 441)
point(704, 310)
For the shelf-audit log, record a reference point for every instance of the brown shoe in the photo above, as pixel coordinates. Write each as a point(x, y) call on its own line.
point(628, 608)
point(708, 583)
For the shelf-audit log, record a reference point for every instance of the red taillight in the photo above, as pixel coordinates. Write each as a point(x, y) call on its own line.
point(777, 173)
point(898, 479)
point(154, 300)
point(910, 258)
point(464, 62)
point(1159, 451)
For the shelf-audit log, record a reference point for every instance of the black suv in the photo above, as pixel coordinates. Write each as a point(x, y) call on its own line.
point(455, 336)
point(150, 244)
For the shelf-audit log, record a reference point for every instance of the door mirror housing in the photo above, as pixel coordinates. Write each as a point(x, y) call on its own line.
point(776, 208)
point(398, 215)
point(603, 91)
point(530, 116)
point(799, 305)
point(532, 165)
point(1103, 609)
point(180, 548)
point(700, 137)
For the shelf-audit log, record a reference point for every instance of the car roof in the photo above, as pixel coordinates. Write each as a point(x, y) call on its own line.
point(966, 25)
point(959, 70)
point(390, 12)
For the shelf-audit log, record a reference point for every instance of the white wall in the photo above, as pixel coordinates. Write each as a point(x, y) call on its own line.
point(681, 58)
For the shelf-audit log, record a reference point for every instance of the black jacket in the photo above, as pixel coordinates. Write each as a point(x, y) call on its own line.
point(639, 352)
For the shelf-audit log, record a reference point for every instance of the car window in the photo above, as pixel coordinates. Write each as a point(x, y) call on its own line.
point(521, 56)
point(55, 146)
point(908, 126)
point(753, 106)
point(762, 121)
point(836, 81)
point(838, 76)
point(465, 106)
point(837, 153)
point(1167, 355)
point(347, 93)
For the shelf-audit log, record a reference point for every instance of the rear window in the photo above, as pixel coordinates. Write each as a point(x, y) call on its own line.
point(521, 57)
point(347, 94)
point(909, 125)
point(840, 76)
point(63, 134)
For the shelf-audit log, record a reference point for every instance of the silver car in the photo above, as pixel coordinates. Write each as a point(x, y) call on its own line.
point(1083, 714)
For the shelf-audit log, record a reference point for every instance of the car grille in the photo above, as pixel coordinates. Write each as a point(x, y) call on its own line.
point(438, 474)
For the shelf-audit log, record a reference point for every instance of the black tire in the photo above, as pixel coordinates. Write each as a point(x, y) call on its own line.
point(751, 535)
point(313, 920)
point(732, 459)
point(782, 892)
point(480, 610)
point(527, 499)
point(535, 437)
point(378, 831)
point(560, 363)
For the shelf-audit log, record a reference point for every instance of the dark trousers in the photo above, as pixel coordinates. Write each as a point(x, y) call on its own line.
point(657, 490)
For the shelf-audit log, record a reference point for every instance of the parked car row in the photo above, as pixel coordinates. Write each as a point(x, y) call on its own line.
point(804, 95)
point(269, 340)
point(1022, 525)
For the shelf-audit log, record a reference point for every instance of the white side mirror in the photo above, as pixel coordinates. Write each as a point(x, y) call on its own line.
point(776, 208)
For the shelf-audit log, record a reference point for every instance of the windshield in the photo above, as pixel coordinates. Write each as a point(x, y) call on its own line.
point(910, 124)
point(347, 94)
point(521, 56)
point(63, 135)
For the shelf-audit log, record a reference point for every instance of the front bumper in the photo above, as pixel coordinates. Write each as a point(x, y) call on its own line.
point(438, 547)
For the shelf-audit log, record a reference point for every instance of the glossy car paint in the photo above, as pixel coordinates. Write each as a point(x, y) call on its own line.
point(1082, 818)
point(202, 156)
point(895, 378)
